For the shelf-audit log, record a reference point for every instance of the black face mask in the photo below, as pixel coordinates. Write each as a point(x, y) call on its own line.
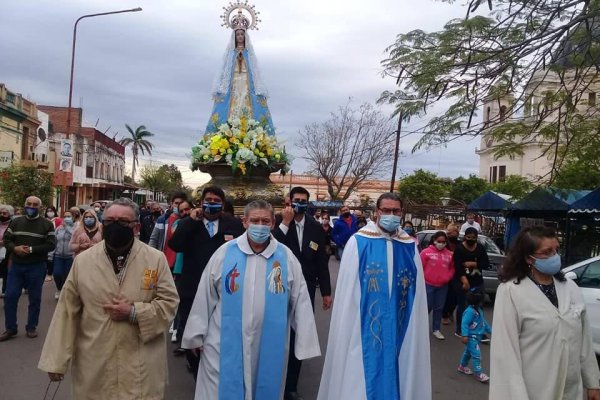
point(471, 242)
point(452, 239)
point(156, 213)
point(346, 214)
point(4, 218)
point(118, 238)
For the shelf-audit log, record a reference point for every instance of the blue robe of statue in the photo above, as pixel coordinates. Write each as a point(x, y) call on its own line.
point(239, 90)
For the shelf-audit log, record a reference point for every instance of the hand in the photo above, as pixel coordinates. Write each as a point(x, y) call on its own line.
point(593, 394)
point(21, 250)
point(287, 215)
point(84, 246)
point(196, 214)
point(327, 301)
point(56, 377)
point(119, 309)
point(465, 285)
point(464, 339)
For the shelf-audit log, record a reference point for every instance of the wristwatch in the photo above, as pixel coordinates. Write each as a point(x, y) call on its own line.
point(30, 250)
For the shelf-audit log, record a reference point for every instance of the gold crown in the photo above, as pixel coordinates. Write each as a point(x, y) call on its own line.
point(240, 20)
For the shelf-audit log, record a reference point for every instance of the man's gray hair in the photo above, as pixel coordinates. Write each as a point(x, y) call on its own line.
point(6, 207)
point(258, 205)
point(126, 202)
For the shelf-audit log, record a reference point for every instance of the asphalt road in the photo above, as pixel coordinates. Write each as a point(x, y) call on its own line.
point(21, 380)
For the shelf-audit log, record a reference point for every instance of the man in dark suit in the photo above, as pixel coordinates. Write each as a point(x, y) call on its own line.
point(198, 237)
point(307, 240)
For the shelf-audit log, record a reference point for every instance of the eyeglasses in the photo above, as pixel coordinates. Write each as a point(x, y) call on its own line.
point(122, 222)
point(395, 211)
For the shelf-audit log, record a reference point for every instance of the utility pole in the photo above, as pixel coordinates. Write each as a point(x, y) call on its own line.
point(396, 152)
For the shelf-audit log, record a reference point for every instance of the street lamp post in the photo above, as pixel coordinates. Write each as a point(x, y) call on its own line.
point(396, 152)
point(68, 133)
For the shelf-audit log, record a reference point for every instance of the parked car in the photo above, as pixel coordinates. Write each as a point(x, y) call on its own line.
point(587, 276)
point(496, 256)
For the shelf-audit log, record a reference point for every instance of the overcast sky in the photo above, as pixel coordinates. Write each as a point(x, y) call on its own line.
point(156, 67)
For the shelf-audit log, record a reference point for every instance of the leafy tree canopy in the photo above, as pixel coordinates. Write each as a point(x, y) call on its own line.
point(503, 53)
point(18, 182)
point(515, 186)
point(468, 189)
point(423, 187)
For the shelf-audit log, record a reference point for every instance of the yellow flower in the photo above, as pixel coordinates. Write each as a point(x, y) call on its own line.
point(277, 156)
point(242, 168)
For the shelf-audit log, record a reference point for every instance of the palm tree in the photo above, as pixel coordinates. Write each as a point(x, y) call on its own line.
point(138, 142)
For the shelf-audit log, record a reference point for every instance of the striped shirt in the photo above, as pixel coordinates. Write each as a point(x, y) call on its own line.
point(37, 233)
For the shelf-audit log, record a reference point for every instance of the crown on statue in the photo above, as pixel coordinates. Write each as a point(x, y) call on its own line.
point(240, 20)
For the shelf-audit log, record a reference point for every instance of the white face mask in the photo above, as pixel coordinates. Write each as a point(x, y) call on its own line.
point(440, 246)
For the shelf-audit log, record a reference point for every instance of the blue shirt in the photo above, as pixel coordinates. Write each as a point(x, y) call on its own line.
point(474, 323)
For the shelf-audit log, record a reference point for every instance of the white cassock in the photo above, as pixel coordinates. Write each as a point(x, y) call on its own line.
point(360, 348)
point(538, 351)
point(203, 328)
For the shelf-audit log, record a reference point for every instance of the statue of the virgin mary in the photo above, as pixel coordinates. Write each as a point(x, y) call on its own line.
point(238, 89)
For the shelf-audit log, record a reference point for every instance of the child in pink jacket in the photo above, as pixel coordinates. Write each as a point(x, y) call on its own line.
point(438, 269)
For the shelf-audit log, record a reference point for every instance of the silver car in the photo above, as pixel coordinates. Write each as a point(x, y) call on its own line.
point(587, 276)
point(496, 256)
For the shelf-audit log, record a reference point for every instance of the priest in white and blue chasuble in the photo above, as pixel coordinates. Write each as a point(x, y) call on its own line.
point(378, 346)
point(250, 294)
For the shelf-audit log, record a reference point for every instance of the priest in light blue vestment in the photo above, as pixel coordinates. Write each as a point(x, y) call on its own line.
point(250, 295)
point(378, 346)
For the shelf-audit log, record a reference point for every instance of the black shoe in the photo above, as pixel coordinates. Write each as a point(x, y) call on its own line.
point(32, 334)
point(293, 396)
point(485, 339)
point(8, 334)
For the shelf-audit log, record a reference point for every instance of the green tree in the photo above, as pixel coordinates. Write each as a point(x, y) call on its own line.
point(485, 58)
point(18, 182)
point(423, 187)
point(139, 143)
point(578, 175)
point(173, 176)
point(155, 179)
point(515, 186)
point(468, 189)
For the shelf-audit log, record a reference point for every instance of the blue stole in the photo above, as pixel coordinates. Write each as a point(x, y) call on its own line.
point(384, 316)
point(260, 109)
point(274, 337)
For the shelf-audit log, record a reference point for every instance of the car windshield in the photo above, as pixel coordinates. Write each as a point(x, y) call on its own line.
point(490, 246)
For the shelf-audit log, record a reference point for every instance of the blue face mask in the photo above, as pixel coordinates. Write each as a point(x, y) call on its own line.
point(300, 208)
point(212, 208)
point(550, 265)
point(175, 210)
point(31, 212)
point(68, 221)
point(259, 233)
point(389, 222)
point(89, 221)
point(408, 230)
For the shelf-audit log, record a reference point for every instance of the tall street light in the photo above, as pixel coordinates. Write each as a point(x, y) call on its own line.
point(68, 133)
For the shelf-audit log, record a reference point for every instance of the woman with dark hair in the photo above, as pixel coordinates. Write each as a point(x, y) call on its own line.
point(470, 258)
point(542, 346)
point(438, 270)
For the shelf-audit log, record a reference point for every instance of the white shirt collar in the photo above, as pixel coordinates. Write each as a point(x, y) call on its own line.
point(301, 222)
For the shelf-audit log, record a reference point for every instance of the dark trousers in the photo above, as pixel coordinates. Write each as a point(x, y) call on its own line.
point(50, 267)
point(185, 306)
point(294, 365)
point(450, 303)
point(21, 276)
point(461, 306)
point(62, 267)
point(4, 273)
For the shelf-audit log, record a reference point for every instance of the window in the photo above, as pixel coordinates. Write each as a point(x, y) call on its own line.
point(502, 113)
point(590, 278)
point(78, 159)
point(591, 99)
point(43, 158)
point(493, 174)
point(501, 173)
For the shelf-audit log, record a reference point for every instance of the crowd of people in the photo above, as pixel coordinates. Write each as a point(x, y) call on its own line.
point(238, 295)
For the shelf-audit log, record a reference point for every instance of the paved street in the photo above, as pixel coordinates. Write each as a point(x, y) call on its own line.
point(21, 380)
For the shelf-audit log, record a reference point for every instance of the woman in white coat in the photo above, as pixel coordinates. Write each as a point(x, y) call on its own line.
point(541, 346)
